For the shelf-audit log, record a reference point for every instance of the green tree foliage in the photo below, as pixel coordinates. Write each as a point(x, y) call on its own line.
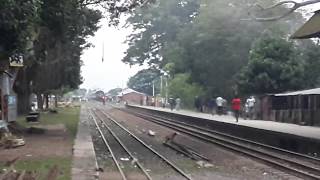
point(311, 57)
point(155, 27)
point(115, 91)
point(51, 35)
point(274, 66)
point(17, 19)
point(62, 34)
point(180, 87)
point(143, 81)
point(216, 46)
point(63, 30)
point(212, 44)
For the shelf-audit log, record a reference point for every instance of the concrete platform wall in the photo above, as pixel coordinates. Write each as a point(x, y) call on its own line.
point(282, 140)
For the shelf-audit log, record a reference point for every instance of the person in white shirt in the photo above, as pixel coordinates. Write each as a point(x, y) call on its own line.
point(250, 103)
point(219, 102)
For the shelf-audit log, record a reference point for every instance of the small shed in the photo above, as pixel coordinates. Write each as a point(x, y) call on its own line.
point(311, 29)
point(298, 107)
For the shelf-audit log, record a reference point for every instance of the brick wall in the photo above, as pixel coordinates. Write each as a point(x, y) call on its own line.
point(133, 98)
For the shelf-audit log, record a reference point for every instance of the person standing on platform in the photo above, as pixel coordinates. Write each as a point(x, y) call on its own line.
point(178, 104)
point(197, 103)
point(211, 105)
point(250, 103)
point(236, 104)
point(219, 102)
point(172, 103)
point(246, 111)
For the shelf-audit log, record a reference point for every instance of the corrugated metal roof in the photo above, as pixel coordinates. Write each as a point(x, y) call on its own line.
point(303, 92)
point(129, 90)
point(310, 29)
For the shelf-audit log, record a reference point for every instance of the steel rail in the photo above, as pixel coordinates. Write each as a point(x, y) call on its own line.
point(210, 138)
point(177, 169)
point(108, 146)
point(126, 149)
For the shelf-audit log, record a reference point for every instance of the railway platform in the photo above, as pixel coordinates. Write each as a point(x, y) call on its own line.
point(298, 138)
point(84, 162)
point(299, 130)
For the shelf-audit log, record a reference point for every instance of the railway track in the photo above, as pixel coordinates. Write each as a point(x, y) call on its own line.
point(114, 133)
point(300, 165)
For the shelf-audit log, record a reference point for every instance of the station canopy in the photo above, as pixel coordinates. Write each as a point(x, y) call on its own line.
point(315, 91)
point(311, 29)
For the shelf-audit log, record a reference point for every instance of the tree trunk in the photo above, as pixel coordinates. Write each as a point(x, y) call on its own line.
point(46, 96)
point(56, 101)
point(22, 88)
point(40, 101)
point(23, 103)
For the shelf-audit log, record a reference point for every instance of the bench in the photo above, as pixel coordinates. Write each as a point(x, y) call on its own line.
point(33, 117)
point(34, 113)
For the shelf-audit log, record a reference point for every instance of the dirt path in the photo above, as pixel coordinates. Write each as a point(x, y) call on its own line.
point(55, 142)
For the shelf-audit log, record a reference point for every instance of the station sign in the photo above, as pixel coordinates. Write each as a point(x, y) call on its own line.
point(16, 60)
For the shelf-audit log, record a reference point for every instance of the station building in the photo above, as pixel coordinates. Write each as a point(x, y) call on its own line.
point(299, 107)
point(133, 97)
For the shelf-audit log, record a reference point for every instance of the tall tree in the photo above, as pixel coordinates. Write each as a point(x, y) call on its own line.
point(311, 57)
point(144, 80)
point(52, 36)
point(181, 87)
point(212, 44)
point(274, 66)
point(17, 27)
point(63, 30)
point(17, 20)
point(155, 27)
point(59, 38)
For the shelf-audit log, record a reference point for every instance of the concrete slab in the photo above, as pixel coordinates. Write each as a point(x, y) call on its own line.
point(84, 161)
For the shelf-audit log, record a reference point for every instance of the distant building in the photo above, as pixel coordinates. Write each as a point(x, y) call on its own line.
point(132, 97)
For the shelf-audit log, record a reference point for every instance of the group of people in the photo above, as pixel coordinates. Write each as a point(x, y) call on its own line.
point(219, 106)
point(212, 106)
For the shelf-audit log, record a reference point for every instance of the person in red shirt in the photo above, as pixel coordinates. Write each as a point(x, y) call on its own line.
point(236, 105)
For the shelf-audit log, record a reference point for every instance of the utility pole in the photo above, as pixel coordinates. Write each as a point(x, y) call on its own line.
point(153, 88)
point(161, 86)
point(102, 51)
point(166, 90)
point(154, 98)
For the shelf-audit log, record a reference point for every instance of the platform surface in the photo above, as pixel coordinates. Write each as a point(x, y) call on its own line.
point(84, 162)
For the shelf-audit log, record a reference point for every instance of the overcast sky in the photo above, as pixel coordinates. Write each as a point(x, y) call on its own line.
point(112, 72)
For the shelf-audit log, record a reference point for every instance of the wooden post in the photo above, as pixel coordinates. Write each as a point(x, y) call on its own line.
point(299, 109)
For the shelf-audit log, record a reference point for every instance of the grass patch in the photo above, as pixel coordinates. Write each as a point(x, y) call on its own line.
point(43, 167)
point(68, 116)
